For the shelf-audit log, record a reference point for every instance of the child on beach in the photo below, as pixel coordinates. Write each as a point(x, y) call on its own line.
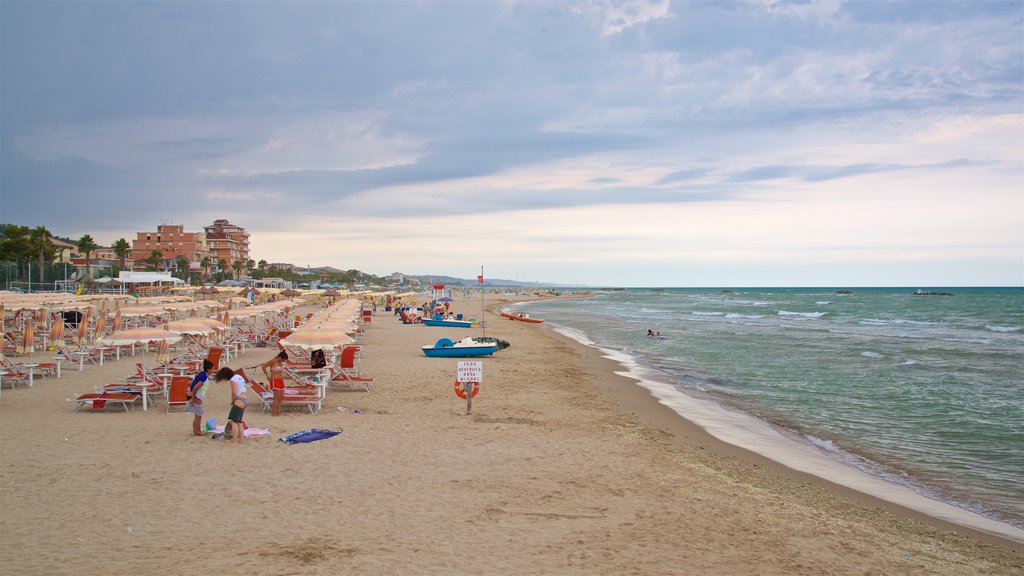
point(239, 400)
point(196, 396)
point(274, 371)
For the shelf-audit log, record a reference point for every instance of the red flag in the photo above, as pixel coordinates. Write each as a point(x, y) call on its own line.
point(480, 279)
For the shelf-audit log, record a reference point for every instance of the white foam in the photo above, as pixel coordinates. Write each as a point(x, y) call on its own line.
point(871, 354)
point(809, 455)
point(1003, 328)
point(802, 314)
point(708, 313)
point(747, 316)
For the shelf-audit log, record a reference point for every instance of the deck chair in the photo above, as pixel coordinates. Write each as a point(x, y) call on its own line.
point(292, 396)
point(13, 375)
point(99, 400)
point(177, 393)
point(347, 371)
point(214, 355)
point(367, 317)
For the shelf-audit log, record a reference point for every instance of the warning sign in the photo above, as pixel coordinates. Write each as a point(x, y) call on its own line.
point(471, 371)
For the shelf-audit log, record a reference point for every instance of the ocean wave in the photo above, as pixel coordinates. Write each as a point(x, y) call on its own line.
point(1003, 328)
point(802, 314)
point(697, 313)
point(822, 302)
point(909, 362)
point(868, 354)
point(897, 322)
point(747, 316)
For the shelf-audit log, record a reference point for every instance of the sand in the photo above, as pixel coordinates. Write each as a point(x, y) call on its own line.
point(562, 468)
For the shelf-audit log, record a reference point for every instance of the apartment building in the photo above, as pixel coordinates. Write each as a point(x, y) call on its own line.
point(227, 241)
point(172, 241)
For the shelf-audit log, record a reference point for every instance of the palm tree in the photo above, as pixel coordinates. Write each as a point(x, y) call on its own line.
point(42, 241)
point(122, 249)
point(154, 259)
point(205, 263)
point(237, 266)
point(250, 265)
point(222, 266)
point(182, 266)
point(262, 267)
point(87, 246)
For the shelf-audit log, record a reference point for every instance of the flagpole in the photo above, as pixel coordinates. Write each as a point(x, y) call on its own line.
point(483, 323)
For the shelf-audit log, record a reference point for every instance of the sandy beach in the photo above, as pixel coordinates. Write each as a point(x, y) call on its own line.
point(563, 467)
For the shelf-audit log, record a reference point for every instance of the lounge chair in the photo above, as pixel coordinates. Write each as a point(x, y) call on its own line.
point(214, 355)
point(98, 400)
point(293, 396)
point(177, 393)
point(348, 372)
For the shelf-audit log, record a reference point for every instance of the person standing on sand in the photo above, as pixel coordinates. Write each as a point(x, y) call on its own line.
point(197, 395)
point(274, 371)
point(239, 400)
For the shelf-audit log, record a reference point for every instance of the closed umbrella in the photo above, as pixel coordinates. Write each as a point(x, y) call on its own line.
point(101, 325)
point(83, 326)
point(28, 338)
point(57, 330)
point(117, 321)
point(163, 352)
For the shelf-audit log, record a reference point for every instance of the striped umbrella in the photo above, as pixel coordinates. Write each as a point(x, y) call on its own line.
point(117, 321)
point(83, 327)
point(101, 324)
point(28, 338)
point(163, 352)
point(57, 330)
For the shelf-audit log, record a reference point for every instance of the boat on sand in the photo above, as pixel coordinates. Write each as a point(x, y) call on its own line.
point(467, 347)
point(522, 317)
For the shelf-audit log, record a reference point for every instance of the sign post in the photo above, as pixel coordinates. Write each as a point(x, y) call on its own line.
point(470, 374)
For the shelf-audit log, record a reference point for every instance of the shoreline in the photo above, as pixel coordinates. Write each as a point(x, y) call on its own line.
point(563, 467)
point(638, 395)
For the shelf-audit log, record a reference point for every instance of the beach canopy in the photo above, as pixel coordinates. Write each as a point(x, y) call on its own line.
point(318, 339)
point(140, 336)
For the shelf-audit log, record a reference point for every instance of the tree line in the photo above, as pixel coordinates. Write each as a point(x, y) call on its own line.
point(27, 246)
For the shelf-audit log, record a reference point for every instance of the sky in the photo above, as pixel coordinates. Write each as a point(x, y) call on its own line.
point(655, 143)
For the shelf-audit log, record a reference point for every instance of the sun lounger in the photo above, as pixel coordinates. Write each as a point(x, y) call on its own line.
point(293, 396)
point(99, 400)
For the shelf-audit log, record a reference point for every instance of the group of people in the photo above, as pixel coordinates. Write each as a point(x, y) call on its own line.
point(196, 402)
point(653, 334)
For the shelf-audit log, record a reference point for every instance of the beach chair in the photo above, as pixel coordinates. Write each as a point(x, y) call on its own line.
point(177, 392)
point(214, 355)
point(348, 372)
point(293, 396)
point(100, 400)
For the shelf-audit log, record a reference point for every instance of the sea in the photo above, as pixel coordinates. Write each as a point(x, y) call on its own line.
point(915, 398)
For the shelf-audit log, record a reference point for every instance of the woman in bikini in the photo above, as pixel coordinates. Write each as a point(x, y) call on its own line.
point(274, 371)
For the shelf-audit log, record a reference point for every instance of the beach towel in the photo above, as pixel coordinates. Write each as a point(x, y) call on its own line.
point(311, 435)
point(248, 432)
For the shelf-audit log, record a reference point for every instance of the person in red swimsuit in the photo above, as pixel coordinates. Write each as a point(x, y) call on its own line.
point(274, 371)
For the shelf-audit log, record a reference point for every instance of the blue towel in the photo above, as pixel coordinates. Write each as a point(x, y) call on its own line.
point(311, 435)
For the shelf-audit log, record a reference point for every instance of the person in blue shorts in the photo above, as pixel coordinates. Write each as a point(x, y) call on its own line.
point(239, 400)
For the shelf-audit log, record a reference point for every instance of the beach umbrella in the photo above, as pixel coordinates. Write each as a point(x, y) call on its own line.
point(101, 324)
point(140, 336)
point(317, 339)
point(117, 321)
point(332, 293)
point(83, 326)
point(193, 313)
point(28, 337)
point(57, 330)
point(290, 293)
point(191, 327)
point(163, 352)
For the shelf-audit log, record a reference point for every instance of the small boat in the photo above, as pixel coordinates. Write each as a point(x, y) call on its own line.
point(467, 347)
point(447, 323)
point(521, 317)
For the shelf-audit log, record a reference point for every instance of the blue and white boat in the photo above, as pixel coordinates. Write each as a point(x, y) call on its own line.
point(467, 347)
point(447, 323)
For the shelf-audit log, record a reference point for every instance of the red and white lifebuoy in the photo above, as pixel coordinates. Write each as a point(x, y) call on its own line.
point(462, 392)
